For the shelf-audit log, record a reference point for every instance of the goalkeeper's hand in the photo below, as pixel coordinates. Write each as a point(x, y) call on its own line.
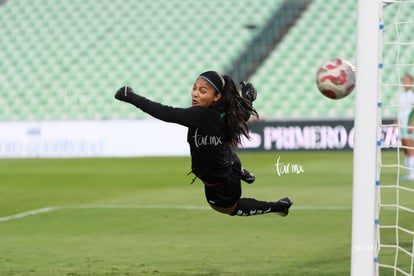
point(248, 91)
point(124, 93)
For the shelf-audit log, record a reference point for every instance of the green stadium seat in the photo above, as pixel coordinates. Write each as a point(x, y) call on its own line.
point(159, 47)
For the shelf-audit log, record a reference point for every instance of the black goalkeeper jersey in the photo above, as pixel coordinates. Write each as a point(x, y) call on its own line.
point(212, 157)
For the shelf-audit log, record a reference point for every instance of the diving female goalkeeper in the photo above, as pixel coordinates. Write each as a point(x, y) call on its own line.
point(216, 121)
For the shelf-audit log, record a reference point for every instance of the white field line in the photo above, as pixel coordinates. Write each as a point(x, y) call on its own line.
point(149, 206)
point(29, 213)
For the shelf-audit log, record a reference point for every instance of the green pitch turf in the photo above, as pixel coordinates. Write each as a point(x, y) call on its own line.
point(141, 216)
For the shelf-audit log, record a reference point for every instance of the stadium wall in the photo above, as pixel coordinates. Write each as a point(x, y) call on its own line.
point(149, 137)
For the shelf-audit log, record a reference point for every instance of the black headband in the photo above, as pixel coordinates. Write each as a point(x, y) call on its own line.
point(215, 79)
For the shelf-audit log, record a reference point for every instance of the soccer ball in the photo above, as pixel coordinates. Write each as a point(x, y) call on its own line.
point(335, 78)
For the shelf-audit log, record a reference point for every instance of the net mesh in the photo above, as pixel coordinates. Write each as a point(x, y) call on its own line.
point(395, 209)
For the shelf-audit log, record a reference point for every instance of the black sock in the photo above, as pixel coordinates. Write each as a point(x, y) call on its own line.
point(251, 206)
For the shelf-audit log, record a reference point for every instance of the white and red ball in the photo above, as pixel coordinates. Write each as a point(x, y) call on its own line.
point(335, 78)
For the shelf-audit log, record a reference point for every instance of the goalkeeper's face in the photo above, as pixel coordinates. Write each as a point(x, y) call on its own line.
point(203, 94)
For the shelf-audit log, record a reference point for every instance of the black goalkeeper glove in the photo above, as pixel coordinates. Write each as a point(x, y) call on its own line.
point(248, 91)
point(124, 94)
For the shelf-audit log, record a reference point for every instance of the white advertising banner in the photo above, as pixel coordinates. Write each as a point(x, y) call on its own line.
point(113, 138)
point(151, 137)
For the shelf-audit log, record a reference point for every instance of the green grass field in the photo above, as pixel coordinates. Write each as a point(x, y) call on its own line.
point(141, 216)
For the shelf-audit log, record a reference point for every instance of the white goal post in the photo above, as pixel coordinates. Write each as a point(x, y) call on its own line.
point(364, 242)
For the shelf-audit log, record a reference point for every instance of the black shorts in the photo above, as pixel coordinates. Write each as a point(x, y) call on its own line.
point(224, 194)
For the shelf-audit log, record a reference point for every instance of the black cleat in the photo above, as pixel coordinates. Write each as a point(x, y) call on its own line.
point(247, 176)
point(284, 203)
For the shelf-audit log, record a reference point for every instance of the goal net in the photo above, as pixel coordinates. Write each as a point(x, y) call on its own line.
point(395, 176)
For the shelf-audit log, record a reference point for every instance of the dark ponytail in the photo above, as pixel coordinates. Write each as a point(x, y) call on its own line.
point(236, 111)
